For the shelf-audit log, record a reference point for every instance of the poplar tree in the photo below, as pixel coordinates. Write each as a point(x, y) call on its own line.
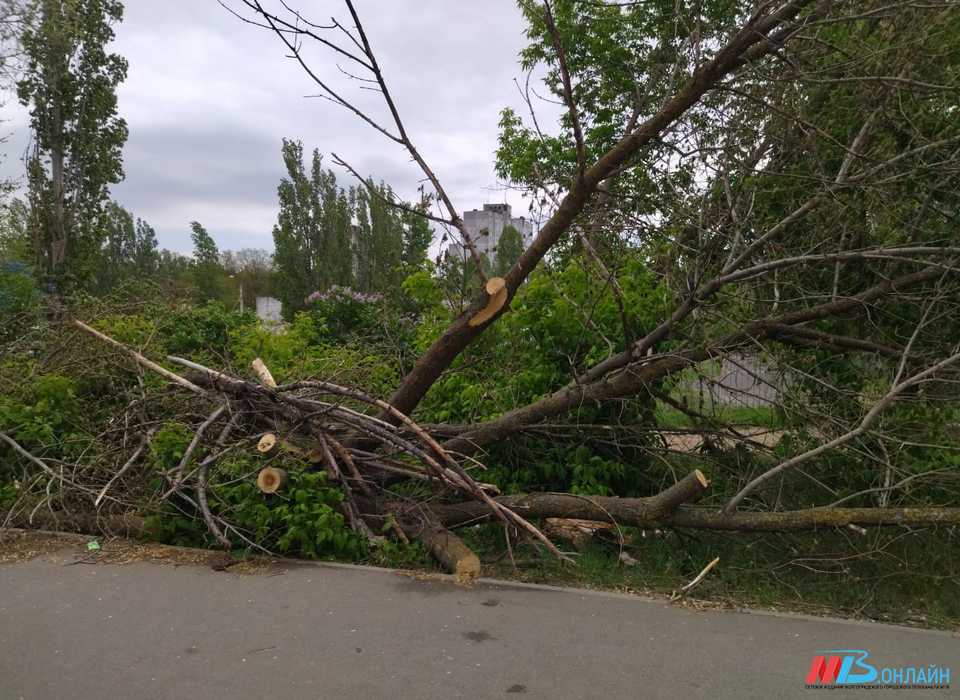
point(69, 84)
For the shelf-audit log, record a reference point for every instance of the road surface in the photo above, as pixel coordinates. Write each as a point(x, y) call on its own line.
point(146, 630)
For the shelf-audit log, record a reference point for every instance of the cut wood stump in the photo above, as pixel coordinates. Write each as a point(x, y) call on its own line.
point(496, 289)
point(268, 444)
point(271, 479)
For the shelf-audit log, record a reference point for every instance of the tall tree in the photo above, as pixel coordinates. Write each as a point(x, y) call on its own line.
point(379, 245)
point(509, 250)
point(70, 85)
point(208, 275)
point(312, 237)
point(129, 248)
point(146, 257)
point(417, 237)
point(326, 235)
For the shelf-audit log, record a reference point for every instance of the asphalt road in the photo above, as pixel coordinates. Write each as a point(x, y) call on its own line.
point(158, 631)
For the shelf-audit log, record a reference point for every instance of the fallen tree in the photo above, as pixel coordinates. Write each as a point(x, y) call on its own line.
point(320, 428)
point(328, 426)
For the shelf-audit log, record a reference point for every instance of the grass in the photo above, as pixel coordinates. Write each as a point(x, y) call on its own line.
point(910, 577)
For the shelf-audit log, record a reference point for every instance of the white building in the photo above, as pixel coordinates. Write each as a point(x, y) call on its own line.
point(269, 312)
point(486, 225)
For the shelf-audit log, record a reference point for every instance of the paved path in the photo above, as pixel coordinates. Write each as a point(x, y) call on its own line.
point(154, 631)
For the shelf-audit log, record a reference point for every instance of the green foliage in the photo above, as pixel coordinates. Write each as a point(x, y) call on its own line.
point(169, 445)
point(208, 275)
point(15, 244)
point(509, 250)
point(47, 413)
point(303, 519)
point(202, 331)
point(397, 555)
point(9, 487)
point(312, 246)
point(69, 85)
point(18, 290)
point(344, 314)
point(129, 250)
point(547, 336)
point(171, 527)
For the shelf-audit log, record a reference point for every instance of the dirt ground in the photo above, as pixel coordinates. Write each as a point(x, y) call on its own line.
point(70, 549)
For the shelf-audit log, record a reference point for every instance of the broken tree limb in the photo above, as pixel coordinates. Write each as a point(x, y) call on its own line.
point(455, 557)
point(869, 418)
point(202, 483)
point(19, 449)
point(696, 581)
point(575, 531)
point(204, 505)
point(750, 43)
point(194, 443)
point(263, 374)
point(634, 512)
point(626, 511)
point(320, 420)
point(149, 364)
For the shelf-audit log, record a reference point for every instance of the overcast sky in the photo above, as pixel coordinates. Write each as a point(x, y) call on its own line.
point(208, 100)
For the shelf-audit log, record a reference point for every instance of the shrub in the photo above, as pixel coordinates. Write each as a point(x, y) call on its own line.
point(345, 313)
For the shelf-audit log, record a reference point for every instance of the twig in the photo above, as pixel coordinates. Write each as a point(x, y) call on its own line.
point(695, 582)
point(129, 463)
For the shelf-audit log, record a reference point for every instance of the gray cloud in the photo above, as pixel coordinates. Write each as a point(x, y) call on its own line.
point(208, 100)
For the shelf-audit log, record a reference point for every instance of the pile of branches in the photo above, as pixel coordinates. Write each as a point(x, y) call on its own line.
point(344, 432)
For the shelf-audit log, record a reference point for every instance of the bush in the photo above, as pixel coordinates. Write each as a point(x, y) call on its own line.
point(49, 413)
point(345, 313)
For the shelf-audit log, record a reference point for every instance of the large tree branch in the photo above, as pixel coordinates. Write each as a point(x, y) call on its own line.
point(629, 511)
point(636, 512)
point(460, 334)
point(639, 376)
